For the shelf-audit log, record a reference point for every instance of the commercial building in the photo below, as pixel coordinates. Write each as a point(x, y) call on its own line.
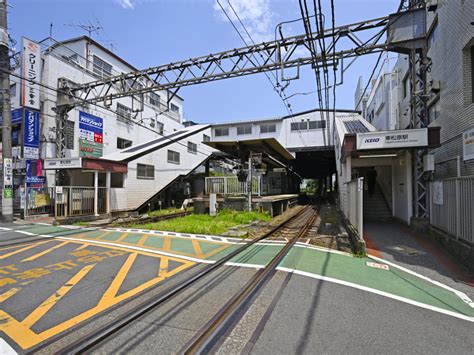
point(94, 132)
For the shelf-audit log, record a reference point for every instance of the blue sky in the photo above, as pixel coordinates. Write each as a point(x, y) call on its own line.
point(153, 32)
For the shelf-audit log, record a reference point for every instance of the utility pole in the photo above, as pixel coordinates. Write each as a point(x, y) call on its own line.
point(7, 198)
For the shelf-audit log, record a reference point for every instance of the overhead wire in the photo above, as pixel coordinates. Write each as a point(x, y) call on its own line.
point(98, 107)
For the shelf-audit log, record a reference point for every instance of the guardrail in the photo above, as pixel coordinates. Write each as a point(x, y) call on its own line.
point(230, 185)
point(452, 207)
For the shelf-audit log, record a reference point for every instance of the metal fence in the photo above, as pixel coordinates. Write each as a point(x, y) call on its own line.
point(39, 200)
point(76, 201)
point(354, 206)
point(452, 207)
point(230, 185)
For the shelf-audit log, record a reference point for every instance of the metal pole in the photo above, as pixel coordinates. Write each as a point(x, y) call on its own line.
point(7, 200)
point(250, 182)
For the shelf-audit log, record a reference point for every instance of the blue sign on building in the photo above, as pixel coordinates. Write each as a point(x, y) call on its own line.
point(31, 134)
point(16, 116)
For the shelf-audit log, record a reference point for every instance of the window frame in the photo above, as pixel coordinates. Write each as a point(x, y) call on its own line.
point(267, 126)
point(173, 153)
point(149, 172)
point(174, 108)
point(128, 143)
point(222, 129)
point(154, 101)
point(100, 69)
point(244, 130)
point(125, 109)
point(206, 138)
point(192, 147)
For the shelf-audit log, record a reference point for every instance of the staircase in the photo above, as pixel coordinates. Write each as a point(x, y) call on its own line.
point(376, 207)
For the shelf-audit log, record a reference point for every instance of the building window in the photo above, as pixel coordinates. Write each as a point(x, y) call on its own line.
point(434, 111)
point(299, 126)
point(69, 134)
point(206, 138)
point(116, 180)
point(160, 127)
point(101, 68)
point(192, 148)
point(145, 171)
point(174, 108)
point(406, 86)
point(173, 157)
point(316, 124)
point(13, 90)
point(124, 113)
point(123, 143)
point(244, 130)
point(154, 99)
point(221, 132)
point(268, 128)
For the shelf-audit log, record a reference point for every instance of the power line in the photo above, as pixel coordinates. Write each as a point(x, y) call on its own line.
point(94, 104)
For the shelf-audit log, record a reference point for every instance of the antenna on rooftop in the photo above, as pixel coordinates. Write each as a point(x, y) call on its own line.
point(112, 45)
point(88, 28)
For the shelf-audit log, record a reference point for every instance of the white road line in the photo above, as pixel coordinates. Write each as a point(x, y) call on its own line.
point(460, 294)
point(378, 292)
point(5, 348)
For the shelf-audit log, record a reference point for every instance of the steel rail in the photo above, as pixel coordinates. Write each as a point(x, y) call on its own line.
point(91, 340)
point(206, 339)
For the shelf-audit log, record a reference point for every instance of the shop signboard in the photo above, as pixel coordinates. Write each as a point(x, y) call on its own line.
point(30, 70)
point(16, 116)
point(468, 145)
point(7, 178)
point(31, 134)
point(90, 135)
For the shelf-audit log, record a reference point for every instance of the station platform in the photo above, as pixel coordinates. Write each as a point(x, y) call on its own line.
point(274, 204)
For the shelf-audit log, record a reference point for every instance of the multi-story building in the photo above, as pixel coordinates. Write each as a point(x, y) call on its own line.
point(97, 130)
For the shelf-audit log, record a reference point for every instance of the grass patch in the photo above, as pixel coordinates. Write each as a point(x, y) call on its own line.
point(166, 211)
point(81, 224)
point(205, 224)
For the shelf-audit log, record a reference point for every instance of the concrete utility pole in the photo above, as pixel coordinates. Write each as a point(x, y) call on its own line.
point(7, 198)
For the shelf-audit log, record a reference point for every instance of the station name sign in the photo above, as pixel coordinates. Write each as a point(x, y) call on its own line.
point(62, 163)
point(404, 138)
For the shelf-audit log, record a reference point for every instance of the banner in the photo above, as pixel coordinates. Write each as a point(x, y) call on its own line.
point(468, 145)
point(31, 70)
point(17, 116)
point(31, 135)
point(90, 135)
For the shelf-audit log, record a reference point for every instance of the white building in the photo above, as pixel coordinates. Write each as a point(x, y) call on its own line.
point(124, 124)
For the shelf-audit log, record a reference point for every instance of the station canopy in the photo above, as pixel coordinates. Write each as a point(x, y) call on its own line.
point(273, 153)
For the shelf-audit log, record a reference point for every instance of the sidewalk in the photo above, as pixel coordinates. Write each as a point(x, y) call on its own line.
point(395, 242)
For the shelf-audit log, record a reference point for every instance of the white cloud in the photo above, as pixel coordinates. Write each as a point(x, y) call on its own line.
point(126, 4)
point(255, 14)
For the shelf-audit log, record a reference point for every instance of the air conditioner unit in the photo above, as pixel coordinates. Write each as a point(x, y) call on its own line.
point(432, 5)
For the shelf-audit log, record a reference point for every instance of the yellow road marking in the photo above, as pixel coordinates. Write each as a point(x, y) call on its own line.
point(119, 278)
point(215, 251)
point(122, 237)
point(102, 235)
point(44, 252)
point(42, 309)
point(4, 256)
point(197, 248)
point(167, 243)
point(26, 338)
point(163, 266)
point(142, 240)
point(83, 246)
point(6, 295)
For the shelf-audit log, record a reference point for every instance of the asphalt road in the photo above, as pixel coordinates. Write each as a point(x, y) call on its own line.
point(291, 314)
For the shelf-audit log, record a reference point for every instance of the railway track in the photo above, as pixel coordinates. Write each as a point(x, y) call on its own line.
point(290, 230)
